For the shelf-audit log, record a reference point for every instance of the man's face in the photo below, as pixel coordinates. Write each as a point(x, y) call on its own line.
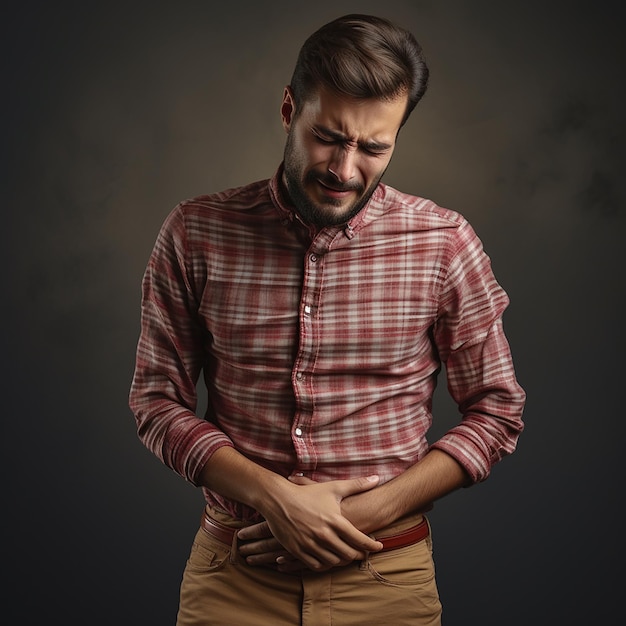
point(337, 150)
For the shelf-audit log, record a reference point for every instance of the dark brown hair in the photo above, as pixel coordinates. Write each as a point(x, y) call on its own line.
point(361, 56)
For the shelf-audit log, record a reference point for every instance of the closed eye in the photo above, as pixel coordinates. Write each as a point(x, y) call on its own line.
point(376, 150)
point(328, 137)
point(326, 140)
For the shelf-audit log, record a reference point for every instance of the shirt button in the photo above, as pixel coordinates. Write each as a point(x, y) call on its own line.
point(298, 432)
point(299, 376)
point(307, 310)
point(313, 258)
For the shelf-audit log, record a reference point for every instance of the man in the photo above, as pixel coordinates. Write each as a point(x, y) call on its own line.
point(320, 306)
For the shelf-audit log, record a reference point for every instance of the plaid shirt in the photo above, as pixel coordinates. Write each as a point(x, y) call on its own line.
point(320, 350)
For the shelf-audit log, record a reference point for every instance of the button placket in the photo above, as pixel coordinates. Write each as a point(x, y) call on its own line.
point(303, 431)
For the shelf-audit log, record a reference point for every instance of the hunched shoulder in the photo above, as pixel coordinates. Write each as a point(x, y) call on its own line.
point(422, 212)
point(241, 198)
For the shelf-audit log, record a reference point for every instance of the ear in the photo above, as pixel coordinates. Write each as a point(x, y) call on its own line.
point(287, 108)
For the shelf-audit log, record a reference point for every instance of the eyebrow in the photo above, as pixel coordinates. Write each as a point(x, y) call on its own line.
point(341, 138)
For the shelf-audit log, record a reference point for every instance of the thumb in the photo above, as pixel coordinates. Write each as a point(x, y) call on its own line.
point(357, 485)
point(300, 480)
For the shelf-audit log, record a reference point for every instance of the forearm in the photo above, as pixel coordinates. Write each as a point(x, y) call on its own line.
point(433, 477)
point(234, 476)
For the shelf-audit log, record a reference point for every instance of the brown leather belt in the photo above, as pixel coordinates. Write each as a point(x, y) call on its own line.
point(407, 537)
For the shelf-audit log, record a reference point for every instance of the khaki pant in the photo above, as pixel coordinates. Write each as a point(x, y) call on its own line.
point(391, 588)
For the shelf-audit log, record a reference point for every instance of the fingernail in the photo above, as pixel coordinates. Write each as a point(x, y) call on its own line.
point(373, 478)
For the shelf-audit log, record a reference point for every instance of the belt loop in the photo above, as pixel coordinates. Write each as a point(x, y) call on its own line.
point(234, 549)
point(365, 562)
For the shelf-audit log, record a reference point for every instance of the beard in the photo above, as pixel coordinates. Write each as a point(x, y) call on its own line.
point(317, 213)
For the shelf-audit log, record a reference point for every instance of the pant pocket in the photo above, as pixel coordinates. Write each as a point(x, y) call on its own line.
point(207, 553)
point(411, 565)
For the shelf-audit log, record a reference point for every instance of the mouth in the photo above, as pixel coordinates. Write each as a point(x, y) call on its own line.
point(335, 191)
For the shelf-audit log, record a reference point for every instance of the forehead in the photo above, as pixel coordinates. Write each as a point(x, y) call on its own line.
point(357, 119)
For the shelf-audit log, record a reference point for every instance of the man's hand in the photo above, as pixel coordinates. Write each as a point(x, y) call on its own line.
point(304, 527)
point(259, 547)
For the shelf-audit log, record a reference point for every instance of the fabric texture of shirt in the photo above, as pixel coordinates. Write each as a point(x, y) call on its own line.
point(320, 350)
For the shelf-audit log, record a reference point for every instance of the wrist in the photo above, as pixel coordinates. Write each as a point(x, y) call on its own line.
point(365, 511)
point(264, 489)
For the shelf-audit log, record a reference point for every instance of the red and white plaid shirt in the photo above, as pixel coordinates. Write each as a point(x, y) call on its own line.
point(320, 351)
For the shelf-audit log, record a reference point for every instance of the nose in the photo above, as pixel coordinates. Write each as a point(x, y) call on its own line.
point(343, 164)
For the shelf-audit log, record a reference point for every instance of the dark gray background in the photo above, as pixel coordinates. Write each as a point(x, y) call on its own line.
point(113, 112)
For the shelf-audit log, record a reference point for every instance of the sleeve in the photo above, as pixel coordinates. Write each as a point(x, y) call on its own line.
point(481, 378)
point(171, 352)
